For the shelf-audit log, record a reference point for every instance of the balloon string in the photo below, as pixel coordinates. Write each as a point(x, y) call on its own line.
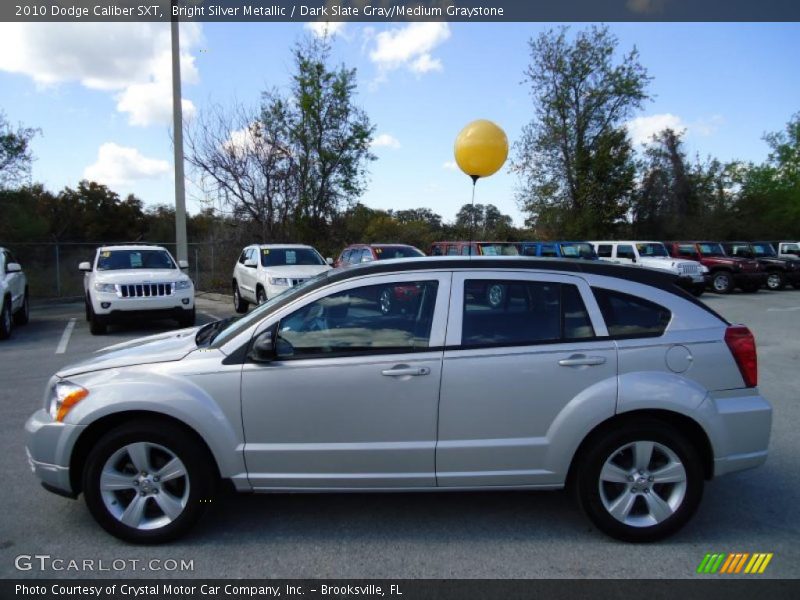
point(472, 216)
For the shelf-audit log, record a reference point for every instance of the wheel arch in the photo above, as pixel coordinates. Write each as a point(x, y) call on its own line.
point(95, 430)
point(687, 426)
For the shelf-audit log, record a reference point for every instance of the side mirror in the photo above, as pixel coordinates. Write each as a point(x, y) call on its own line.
point(262, 349)
point(329, 260)
point(251, 263)
point(183, 264)
point(85, 266)
point(13, 268)
point(633, 259)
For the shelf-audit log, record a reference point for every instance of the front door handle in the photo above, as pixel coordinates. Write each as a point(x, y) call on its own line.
point(581, 360)
point(406, 371)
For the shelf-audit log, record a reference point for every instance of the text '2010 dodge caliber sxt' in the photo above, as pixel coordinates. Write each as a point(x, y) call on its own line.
point(608, 379)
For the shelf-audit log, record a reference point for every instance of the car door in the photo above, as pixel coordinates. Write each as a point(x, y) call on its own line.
point(351, 399)
point(512, 372)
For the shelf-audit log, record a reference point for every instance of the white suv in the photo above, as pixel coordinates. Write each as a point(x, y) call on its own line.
point(654, 255)
point(13, 294)
point(265, 270)
point(136, 280)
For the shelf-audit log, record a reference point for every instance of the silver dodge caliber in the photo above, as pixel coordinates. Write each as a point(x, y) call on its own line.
point(604, 378)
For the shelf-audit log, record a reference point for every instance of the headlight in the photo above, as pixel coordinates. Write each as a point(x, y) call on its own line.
point(183, 284)
point(63, 396)
point(105, 287)
point(278, 281)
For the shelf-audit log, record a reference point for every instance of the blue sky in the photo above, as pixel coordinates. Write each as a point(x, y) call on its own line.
point(100, 94)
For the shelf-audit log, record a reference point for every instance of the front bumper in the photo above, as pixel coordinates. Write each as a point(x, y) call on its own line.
point(48, 447)
point(109, 304)
point(738, 423)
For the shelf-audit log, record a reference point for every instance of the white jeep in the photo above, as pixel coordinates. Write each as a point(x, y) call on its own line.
point(654, 255)
point(13, 294)
point(134, 281)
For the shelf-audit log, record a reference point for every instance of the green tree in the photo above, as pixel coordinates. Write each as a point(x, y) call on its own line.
point(574, 159)
point(15, 153)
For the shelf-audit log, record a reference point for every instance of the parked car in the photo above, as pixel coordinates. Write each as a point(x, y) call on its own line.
point(780, 271)
point(607, 378)
point(582, 250)
point(725, 272)
point(361, 253)
point(135, 281)
point(654, 255)
point(787, 249)
point(473, 249)
point(14, 307)
point(264, 271)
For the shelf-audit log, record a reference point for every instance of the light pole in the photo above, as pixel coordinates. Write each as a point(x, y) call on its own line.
point(177, 127)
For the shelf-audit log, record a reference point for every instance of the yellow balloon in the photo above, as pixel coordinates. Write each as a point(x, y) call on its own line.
point(481, 148)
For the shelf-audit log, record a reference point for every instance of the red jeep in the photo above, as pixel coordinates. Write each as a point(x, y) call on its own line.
point(724, 272)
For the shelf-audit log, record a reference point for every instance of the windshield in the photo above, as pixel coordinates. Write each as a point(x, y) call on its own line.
point(499, 250)
point(651, 250)
point(578, 250)
point(709, 249)
point(235, 327)
point(281, 257)
point(762, 249)
point(386, 252)
point(114, 260)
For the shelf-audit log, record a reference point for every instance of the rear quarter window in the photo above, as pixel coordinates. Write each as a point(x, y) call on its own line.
point(630, 316)
point(604, 250)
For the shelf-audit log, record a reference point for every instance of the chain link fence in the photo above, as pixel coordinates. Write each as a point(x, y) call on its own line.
point(52, 268)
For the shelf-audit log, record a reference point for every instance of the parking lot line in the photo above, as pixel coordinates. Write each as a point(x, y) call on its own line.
point(208, 314)
point(62, 343)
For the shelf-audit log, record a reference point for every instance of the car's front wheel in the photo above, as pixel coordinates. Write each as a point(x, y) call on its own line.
point(97, 323)
point(775, 281)
point(5, 318)
point(722, 282)
point(640, 482)
point(23, 315)
point(147, 481)
point(239, 304)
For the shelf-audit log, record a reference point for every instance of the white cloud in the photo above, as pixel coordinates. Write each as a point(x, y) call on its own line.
point(642, 129)
point(320, 28)
point(121, 165)
point(409, 46)
point(707, 126)
point(130, 60)
point(450, 165)
point(385, 140)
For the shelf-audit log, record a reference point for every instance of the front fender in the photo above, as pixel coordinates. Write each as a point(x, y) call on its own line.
point(116, 391)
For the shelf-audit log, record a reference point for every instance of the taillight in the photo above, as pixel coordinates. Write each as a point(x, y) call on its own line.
point(742, 345)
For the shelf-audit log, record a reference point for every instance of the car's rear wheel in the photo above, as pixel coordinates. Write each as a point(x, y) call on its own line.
point(23, 315)
point(239, 304)
point(722, 282)
point(261, 296)
point(386, 301)
point(147, 481)
point(775, 281)
point(5, 319)
point(640, 482)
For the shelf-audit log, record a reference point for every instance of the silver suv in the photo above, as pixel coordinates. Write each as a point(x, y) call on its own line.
point(607, 378)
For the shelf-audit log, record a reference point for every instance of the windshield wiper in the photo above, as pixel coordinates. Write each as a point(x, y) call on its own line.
point(208, 332)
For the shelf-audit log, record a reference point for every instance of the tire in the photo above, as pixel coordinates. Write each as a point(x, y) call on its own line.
point(261, 296)
point(97, 324)
point(6, 320)
point(23, 315)
point(607, 479)
point(239, 305)
point(386, 301)
point(134, 454)
point(776, 281)
point(722, 282)
point(188, 319)
point(697, 291)
point(88, 310)
point(495, 295)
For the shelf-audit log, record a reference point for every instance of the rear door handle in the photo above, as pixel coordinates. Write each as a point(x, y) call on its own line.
point(581, 360)
point(406, 371)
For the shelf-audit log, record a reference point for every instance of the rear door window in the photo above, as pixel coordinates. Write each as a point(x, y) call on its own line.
point(528, 312)
point(604, 250)
point(630, 316)
point(625, 251)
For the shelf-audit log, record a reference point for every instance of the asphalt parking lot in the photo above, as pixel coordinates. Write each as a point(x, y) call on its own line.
point(448, 535)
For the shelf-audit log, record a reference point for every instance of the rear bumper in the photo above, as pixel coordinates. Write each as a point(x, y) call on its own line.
point(738, 423)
